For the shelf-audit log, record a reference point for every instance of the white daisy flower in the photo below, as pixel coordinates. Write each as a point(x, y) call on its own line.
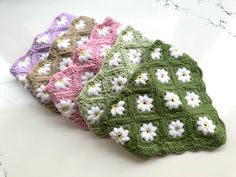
point(162, 76)
point(43, 56)
point(80, 25)
point(119, 29)
point(118, 108)
point(45, 69)
point(62, 83)
point(66, 107)
point(156, 54)
point(118, 83)
point(65, 62)
point(205, 125)
point(176, 129)
point(148, 132)
point(62, 21)
point(84, 56)
point(128, 37)
point(183, 75)
point(192, 99)
point(115, 60)
point(43, 39)
point(42, 94)
point(103, 32)
point(141, 79)
point(134, 55)
point(103, 50)
point(86, 77)
point(120, 135)
point(83, 40)
point(172, 100)
point(144, 103)
point(94, 90)
point(63, 44)
point(175, 53)
point(22, 79)
point(93, 114)
point(24, 63)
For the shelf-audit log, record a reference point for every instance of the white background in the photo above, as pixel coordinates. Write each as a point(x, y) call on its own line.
point(35, 142)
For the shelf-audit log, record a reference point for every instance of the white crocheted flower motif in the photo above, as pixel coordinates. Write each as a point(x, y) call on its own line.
point(104, 49)
point(22, 79)
point(80, 25)
point(118, 108)
point(135, 56)
point(115, 60)
point(42, 94)
point(120, 135)
point(62, 21)
point(65, 62)
point(66, 107)
point(86, 77)
point(62, 83)
point(93, 114)
point(94, 90)
point(83, 40)
point(162, 76)
point(176, 129)
point(205, 125)
point(183, 75)
point(128, 37)
point(118, 83)
point(148, 132)
point(43, 56)
point(172, 100)
point(44, 70)
point(144, 103)
point(43, 39)
point(175, 53)
point(63, 44)
point(103, 32)
point(84, 56)
point(192, 99)
point(24, 63)
point(156, 54)
point(141, 79)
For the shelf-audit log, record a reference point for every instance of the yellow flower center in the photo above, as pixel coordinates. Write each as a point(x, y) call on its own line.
point(114, 106)
point(65, 108)
point(206, 125)
point(118, 136)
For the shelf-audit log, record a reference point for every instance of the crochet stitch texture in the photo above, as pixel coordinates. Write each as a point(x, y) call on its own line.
point(164, 108)
point(119, 64)
point(65, 86)
point(40, 47)
point(60, 56)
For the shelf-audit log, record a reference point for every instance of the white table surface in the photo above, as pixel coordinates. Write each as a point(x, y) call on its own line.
point(35, 142)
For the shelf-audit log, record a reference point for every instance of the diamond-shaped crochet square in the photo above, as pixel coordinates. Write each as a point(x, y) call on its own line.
point(60, 56)
point(164, 108)
point(65, 86)
point(40, 47)
point(119, 64)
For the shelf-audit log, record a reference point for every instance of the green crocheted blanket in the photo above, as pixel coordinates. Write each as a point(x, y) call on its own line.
point(163, 108)
point(119, 64)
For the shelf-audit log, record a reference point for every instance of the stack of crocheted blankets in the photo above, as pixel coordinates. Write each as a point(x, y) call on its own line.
point(145, 95)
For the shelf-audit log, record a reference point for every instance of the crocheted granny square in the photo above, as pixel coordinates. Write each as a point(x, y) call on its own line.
point(40, 47)
point(119, 64)
point(164, 108)
point(60, 56)
point(65, 86)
